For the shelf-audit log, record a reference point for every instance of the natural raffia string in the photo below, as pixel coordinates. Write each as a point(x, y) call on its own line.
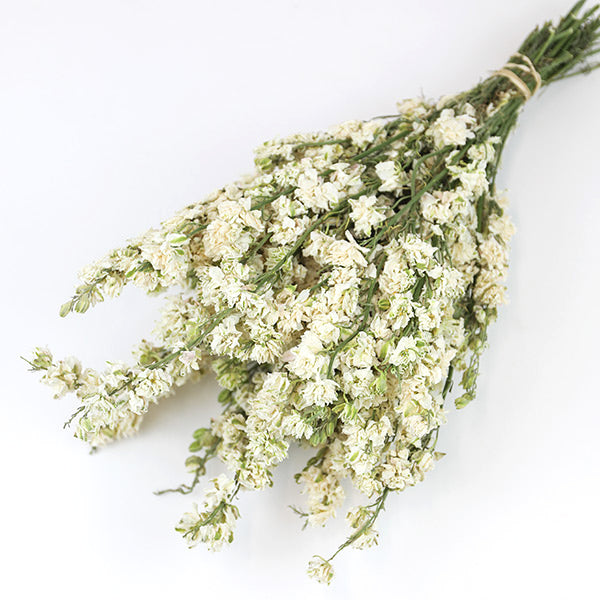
point(528, 68)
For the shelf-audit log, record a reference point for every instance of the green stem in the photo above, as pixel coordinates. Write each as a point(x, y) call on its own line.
point(378, 506)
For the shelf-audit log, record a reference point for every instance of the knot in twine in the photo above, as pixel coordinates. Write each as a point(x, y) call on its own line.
point(527, 68)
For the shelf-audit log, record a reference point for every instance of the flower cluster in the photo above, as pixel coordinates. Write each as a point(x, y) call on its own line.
point(328, 293)
point(335, 293)
point(214, 524)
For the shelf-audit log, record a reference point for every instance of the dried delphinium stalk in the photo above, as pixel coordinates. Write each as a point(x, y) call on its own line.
point(336, 293)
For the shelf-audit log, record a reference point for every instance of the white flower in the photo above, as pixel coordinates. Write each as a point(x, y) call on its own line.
point(396, 472)
point(365, 215)
point(314, 193)
point(415, 427)
point(294, 425)
point(451, 130)
point(418, 252)
point(484, 152)
point(502, 227)
point(318, 392)
point(360, 132)
point(489, 290)
point(368, 538)
point(320, 569)
point(189, 358)
point(325, 494)
point(493, 253)
point(391, 177)
point(441, 206)
point(361, 353)
point(166, 254)
point(412, 107)
point(426, 462)
point(225, 240)
point(306, 360)
point(63, 376)
point(473, 182)
point(380, 327)
point(214, 524)
point(331, 251)
point(153, 383)
point(287, 230)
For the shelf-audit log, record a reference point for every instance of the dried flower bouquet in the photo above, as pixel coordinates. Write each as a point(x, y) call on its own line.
point(336, 293)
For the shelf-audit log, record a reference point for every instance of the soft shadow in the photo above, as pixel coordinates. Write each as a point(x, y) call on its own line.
point(193, 403)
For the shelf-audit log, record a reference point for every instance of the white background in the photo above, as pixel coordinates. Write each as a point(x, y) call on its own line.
point(115, 114)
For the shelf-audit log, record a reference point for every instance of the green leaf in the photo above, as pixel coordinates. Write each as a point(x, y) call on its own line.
point(200, 433)
point(176, 240)
point(66, 308)
point(195, 446)
point(225, 397)
point(463, 400)
point(82, 303)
